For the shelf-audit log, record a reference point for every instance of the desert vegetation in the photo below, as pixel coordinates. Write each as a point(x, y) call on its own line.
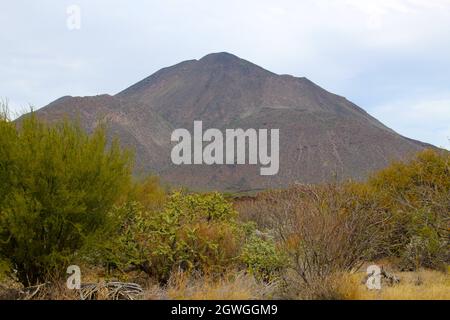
point(69, 198)
point(400, 216)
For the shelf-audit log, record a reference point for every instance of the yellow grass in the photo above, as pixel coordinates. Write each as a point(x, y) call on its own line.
point(234, 286)
point(422, 285)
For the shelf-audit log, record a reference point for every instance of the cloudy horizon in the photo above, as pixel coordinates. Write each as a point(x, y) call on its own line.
point(389, 57)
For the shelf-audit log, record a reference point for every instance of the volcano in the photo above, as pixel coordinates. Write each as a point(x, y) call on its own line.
point(322, 136)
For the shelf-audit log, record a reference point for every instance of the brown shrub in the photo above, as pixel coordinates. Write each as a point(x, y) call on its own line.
point(324, 230)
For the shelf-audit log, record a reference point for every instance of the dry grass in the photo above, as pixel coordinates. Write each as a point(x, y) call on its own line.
point(232, 286)
point(422, 285)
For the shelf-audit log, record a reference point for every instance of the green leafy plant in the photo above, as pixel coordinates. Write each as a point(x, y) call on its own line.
point(416, 199)
point(426, 247)
point(263, 258)
point(57, 185)
point(194, 232)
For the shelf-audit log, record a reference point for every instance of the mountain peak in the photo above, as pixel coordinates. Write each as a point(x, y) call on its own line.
point(220, 57)
point(231, 62)
point(323, 135)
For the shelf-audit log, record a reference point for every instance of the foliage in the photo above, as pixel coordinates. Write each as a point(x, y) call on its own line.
point(149, 193)
point(416, 198)
point(428, 246)
point(5, 269)
point(263, 258)
point(330, 230)
point(401, 212)
point(57, 185)
point(194, 232)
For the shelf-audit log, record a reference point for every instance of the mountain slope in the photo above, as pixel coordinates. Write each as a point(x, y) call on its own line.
point(322, 135)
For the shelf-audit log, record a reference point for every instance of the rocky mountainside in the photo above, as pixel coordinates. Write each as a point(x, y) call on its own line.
point(322, 135)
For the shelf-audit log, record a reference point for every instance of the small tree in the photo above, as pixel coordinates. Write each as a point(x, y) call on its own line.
point(56, 186)
point(416, 197)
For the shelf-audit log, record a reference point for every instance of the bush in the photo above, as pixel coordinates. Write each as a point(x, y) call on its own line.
point(5, 269)
point(416, 199)
point(263, 258)
point(400, 212)
point(194, 232)
point(149, 193)
point(57, 185)
point(324, 230)
point(426, 247)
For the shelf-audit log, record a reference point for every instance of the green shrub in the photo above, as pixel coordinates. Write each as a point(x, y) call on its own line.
point(149, 193)
point(5, 269)
point(416, 198)
point(426, 247)
point(194, 232)
point(57, 185)
point(262, 258)
point(116, 244)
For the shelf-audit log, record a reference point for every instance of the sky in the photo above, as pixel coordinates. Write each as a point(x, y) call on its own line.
point(391, 57)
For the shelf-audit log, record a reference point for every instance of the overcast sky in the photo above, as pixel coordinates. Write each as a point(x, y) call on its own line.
point(391, 57)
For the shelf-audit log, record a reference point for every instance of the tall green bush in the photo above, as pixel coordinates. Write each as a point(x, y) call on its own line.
point(57, 185)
